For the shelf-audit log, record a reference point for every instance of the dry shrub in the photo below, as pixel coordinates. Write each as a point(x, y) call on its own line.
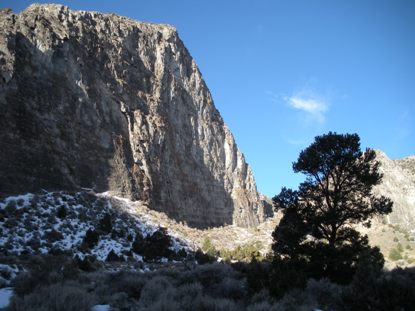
point(155, 289)
point(261, 306)
point(62, 297)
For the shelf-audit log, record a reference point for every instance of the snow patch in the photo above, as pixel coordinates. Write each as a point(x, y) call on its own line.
point(5, 295)
point(101, 308)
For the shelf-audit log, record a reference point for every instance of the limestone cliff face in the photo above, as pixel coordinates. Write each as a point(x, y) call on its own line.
point(98, 100)
point(399, 185)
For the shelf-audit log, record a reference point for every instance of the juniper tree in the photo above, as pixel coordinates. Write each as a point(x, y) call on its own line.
point(316, 232)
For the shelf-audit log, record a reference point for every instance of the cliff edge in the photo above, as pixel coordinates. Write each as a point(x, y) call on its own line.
point(105, 102)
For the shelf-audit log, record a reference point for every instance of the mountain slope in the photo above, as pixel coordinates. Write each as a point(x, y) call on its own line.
point(398, 184)
point(105, 102)
point(83, 224)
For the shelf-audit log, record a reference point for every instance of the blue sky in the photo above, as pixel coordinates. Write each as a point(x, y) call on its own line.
point(282, 72)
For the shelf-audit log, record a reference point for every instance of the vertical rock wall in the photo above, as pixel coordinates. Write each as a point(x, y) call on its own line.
point(98, 100)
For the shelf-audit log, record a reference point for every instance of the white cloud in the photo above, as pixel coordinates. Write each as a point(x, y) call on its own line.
point(309, 105)
point(312, 104)
point(314, 107)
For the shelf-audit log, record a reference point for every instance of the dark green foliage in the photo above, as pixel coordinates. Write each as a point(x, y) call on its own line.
point(203, 258)
point(10, 207)
point(243, 252)
point(153, 246)
point(58, 251)
point(257, 275)
point(91, 238)
point(339, 263)
point(285, 275)
point(61, 212)
point(84, 264)
point(326, 294)
point(105, 223)
point(315, 234)
point(290, 233)
point(158, 245)
point(208, 248)
point(182, 253)
point(53, 236)
point(369, 290)
point(112, 256)
point(139, 244)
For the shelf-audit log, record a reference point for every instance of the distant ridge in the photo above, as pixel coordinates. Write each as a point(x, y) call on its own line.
point(398, 184)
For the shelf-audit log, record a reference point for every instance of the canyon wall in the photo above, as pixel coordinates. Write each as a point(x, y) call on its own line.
point(105, 102)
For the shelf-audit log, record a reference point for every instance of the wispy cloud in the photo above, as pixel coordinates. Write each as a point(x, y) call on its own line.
point(311, 104)
point(314, 107)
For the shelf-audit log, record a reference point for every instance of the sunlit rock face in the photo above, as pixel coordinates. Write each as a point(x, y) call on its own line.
point(399, 185)
point(105, 102)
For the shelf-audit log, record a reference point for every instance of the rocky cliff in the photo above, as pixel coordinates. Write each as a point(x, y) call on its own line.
point(105, 102)
point(399, 185)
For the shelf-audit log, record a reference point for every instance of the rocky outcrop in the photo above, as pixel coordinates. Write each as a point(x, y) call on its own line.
point(398, 184)
point(105, 102)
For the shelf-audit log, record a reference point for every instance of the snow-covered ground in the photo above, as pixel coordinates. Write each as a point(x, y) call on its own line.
point(101, 308)
point(56, 222)
point(5, 295)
